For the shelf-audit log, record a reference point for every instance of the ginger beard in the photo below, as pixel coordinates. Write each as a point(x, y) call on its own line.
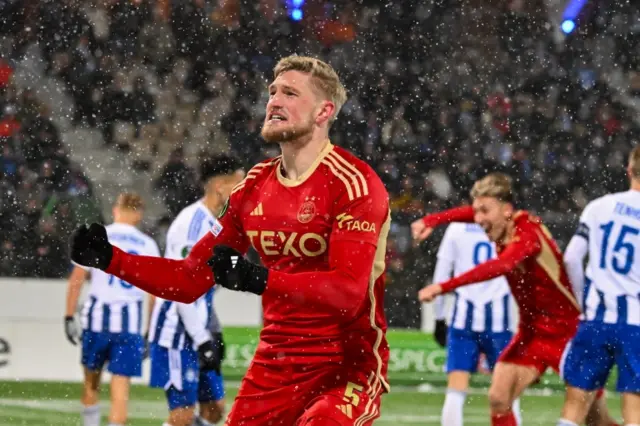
point(287, 130)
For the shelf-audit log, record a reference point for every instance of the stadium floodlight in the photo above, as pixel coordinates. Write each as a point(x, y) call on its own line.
point(296, 14)
point(570, 16)
point(567, 26)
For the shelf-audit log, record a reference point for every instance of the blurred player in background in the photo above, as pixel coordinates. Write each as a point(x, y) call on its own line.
point(111, 317)
point(532, 264)
point(185, 355)
point(609, 333)
point(319, 219)
point(480, 322)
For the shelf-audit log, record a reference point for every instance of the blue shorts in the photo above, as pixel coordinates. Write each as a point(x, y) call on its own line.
point(177, 372)
point(123, 352)
point(594, 350)
point(464, 348)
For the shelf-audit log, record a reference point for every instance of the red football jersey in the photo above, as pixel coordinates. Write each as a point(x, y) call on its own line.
point(323, 238)
point(533, 266)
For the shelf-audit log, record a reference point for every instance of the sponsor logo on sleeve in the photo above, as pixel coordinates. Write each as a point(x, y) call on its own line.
point(216, 228)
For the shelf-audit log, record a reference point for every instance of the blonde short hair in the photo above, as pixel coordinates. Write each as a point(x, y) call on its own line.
point(495, 185)
point(324, 77)
point(634, 162)
point(130, 201)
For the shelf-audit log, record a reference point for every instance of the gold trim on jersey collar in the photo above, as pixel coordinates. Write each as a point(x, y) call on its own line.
point(292, 183)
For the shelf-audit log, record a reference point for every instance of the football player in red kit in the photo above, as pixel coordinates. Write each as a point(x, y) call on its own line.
point(319, 218)
point(531, 262)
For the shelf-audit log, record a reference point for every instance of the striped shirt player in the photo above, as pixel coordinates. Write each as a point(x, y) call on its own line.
point(609, 331)
point(111, 317)
point(178, 329)
point(479, 321)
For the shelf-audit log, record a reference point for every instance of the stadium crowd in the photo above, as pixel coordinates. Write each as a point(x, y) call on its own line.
point(42, 192)
point(437, 99)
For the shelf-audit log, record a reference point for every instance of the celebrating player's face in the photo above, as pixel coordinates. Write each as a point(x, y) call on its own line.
point(492, 215)
point(291, 108)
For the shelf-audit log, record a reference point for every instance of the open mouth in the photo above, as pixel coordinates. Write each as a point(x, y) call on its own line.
point(275, 117)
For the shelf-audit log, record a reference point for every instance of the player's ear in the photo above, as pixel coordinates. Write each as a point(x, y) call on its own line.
point(326, 110)
point(507, 209)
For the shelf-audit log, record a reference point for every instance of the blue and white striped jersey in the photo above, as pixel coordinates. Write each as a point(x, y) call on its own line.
point(611, 226)
point(177, 325)
point(114, 305)
point(482, 307)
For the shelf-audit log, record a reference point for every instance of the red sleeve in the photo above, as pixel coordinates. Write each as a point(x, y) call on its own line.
point(524, 245)
point(180, 280)
point(457, 214)
point(359, 229)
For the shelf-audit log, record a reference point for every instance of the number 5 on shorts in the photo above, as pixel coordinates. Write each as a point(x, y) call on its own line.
point(351, 394)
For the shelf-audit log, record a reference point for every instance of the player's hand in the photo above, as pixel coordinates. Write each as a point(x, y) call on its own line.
point(233, 271)
point(420, 231)
point(209, 356)
point(218, 343)
point(440, 333)
point(430, 292)
point(71, 330)
point(90, 246)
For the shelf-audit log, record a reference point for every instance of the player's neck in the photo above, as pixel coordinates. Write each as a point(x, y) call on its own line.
point(126, 221)
point(212, 202)
point(635, 185)
point(508, 233)
point(298, 157)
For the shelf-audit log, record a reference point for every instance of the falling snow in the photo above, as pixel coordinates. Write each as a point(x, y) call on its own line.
point(99, 96)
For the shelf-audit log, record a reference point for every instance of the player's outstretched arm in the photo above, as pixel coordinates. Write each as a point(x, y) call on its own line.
point(177, 280)
point(524, 245)
point(422, 228)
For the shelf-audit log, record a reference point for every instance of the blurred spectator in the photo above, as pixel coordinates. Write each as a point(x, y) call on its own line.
point(177, 183)
point(35, 173)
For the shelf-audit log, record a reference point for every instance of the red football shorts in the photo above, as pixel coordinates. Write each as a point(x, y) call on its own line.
point(539, 352)
point(319, 396)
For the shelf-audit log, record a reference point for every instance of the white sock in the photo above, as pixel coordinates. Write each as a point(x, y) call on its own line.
point(166, 424)
point(91, 415)
point(632, 424)
point(115, 424)
point(452, 408)
point(564, 422)
point(199, 421)
point(515, 408)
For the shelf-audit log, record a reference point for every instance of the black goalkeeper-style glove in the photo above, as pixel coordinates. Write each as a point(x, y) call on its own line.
point(441, 332)
point(233, 271)
point(218, 343)
point(71, 330)
point(209, 357)
point(90, 246)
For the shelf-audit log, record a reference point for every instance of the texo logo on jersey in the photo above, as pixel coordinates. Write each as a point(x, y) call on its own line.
point(274, 243)
point(348, 222)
